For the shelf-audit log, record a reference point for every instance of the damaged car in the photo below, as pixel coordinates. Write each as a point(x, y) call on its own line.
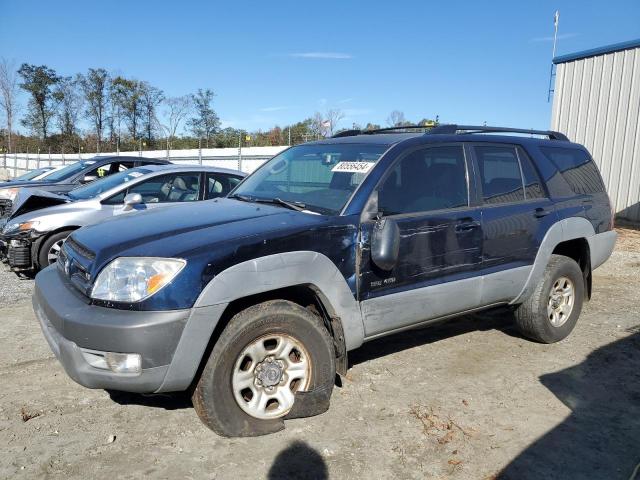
point(41, 221)
point(72, 176)
point(252, 302)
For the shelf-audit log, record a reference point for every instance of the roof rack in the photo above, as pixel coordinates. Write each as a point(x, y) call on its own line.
point(453, 129)
point(351, 133)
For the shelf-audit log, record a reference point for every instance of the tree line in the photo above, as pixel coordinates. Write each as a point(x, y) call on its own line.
point(124, 113)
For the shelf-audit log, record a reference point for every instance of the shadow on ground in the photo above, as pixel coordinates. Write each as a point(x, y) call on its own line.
point(168, 401)
point(298, 460)
point(601, 437)
point(498, 319)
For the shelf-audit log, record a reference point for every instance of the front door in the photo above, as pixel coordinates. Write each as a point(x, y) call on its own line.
point(427, 193)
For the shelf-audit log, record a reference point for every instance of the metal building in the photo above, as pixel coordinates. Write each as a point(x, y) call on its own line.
point(597, 103)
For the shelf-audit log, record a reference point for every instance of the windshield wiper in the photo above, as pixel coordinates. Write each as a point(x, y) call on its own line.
point(297, 206)
point(244, 198)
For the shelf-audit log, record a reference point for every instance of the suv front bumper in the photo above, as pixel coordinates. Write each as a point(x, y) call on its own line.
point(69, 322)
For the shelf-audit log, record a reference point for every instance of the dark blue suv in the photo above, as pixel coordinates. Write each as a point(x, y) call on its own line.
point(252, 302)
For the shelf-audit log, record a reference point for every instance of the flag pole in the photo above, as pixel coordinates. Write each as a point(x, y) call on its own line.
point(556, 20)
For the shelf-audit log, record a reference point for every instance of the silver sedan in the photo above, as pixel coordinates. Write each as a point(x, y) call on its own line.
point(41, 221)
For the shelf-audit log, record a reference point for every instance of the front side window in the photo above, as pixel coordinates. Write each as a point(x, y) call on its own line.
point(320, 178)
point(500, 174)
point(425, 180)
point(219, 185)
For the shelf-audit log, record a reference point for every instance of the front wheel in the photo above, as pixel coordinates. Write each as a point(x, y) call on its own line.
point(551, 312)
point(50, 249)
point(265, 355)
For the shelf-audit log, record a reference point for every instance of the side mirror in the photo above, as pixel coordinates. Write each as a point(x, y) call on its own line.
point(132, 200)
point(385, 243)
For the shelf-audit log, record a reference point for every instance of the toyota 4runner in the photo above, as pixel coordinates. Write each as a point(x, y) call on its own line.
point(252, 302)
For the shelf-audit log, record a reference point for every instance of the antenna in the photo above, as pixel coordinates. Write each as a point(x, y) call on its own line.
point(552, 73)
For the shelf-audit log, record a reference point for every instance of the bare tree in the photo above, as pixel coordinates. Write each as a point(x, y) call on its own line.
point(95, 87)
point(8, 94)
point(333, 117)
point(177, 109)
point(69, 104)
point(396, 119)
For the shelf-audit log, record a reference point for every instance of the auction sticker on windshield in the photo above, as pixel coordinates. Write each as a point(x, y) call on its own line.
point(353, 167)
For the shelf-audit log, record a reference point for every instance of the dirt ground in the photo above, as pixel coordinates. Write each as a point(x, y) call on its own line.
point(467, 399)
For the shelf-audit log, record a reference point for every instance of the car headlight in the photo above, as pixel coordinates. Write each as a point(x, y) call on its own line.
point(19, 227)
point(133, 279)
point(9, 193)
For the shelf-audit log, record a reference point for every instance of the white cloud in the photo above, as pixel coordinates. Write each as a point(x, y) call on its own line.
point(323, 55)
point(562, 36)
point(275, 109)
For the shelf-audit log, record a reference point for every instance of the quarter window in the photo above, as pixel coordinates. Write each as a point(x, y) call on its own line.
point(425, 180)
point(500, 174)
point(577, 168)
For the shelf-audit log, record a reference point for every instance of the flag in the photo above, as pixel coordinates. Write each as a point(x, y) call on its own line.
point(326, 123)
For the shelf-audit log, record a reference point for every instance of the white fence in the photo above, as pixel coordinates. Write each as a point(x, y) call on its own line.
point(246, 159)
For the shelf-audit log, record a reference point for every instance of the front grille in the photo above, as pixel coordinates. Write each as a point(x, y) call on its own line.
point(5, 206)
point(80, 249)
point(19, 257)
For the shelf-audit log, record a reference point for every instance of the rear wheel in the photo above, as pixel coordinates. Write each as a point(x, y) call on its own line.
point(50, 248)
point(551, 312)
point(265, 355)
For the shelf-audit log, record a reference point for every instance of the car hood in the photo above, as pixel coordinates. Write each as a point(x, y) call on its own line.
point(29, 199)
point(178, 230)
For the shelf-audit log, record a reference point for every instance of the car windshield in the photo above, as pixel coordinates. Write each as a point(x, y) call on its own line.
point(319, 178)
point(70, 171)
point(94, 189)
point(33, 174)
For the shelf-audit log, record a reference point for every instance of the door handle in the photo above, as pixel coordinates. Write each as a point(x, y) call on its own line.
point(466, 226)
point(541, 212)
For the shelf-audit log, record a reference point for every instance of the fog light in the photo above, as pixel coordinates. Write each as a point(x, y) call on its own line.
point(124, 362)
point(116, 362)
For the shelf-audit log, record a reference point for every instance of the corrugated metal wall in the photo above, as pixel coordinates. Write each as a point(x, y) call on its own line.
point(597, 103)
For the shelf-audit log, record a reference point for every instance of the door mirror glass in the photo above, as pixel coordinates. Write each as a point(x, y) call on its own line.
point(132, 200)
point(385, 243)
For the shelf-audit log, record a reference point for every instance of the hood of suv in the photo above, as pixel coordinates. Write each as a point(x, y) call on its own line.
point(179, 230)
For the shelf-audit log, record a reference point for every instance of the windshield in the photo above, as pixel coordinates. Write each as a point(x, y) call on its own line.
point(94, 189)
point(320, 178)
point(33, 174)
point(69, 171)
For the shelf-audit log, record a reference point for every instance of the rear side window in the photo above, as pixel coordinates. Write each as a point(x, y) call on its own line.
point(425, 180)
point(219, 185)
point(532, 184)
point(500, 174)
point(577, 168)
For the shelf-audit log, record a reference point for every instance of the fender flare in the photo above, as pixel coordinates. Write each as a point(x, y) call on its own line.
point(255, 276)
point(567, 229)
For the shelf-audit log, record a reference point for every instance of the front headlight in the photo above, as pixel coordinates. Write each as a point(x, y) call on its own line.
point(19, 227)
point(133, 279)
point(9, 193)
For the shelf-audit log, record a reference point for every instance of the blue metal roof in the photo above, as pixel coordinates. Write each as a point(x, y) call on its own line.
point(598, 51)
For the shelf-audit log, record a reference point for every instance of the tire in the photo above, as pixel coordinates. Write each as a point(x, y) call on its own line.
point(533, 317)
point(218, 397)
point(49, 244)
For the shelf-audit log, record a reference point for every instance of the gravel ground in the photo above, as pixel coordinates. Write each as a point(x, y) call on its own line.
point(466, 399)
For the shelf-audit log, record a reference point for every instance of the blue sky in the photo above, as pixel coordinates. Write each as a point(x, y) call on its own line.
point(277, 62)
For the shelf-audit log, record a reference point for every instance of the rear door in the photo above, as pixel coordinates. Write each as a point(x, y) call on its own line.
point(427, 193)
point(516, 214)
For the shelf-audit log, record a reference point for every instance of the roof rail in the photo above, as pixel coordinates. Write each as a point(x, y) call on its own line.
point(350, 133)
point(453, 129)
